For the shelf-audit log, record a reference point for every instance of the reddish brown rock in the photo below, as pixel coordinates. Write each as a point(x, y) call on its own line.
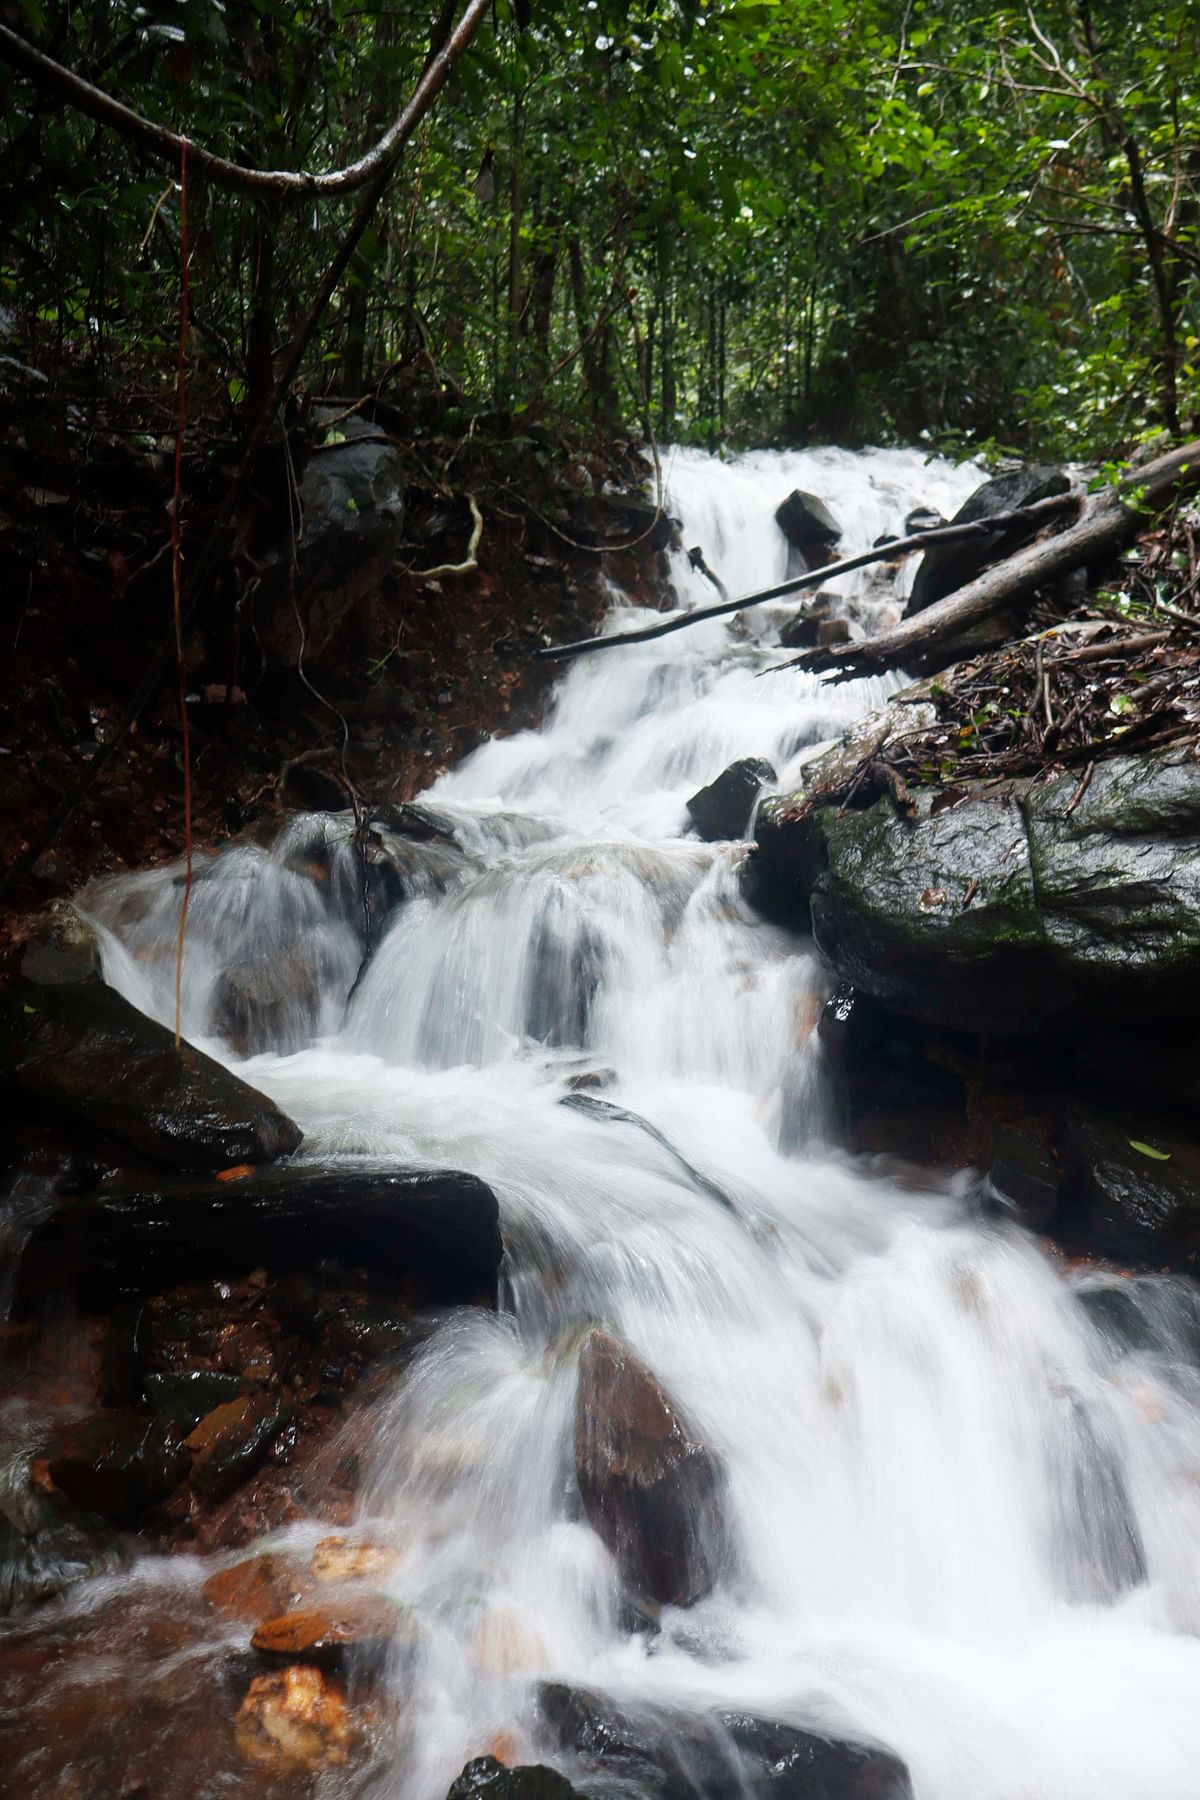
point(232, 1440)
point(294, 1719)
point(651, 1490)
point(366, 1626)
point(353, 1559)
point(259, 1588)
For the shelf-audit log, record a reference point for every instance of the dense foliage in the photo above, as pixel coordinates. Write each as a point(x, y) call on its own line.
point(720, 220)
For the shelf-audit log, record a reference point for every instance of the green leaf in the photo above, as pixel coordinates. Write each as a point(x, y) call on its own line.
point(1149, 1150)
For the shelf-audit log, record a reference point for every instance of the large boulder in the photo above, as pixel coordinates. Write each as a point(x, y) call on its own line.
point(438, 1228)
point(1010, 908)
point(351, 506)
point(118, 1463)
point(947, 567)
point(809, 526)
point(667, 1755)
point(724, 808)
point(650, 1488)
point(1135, 1185)
point(81, 1049)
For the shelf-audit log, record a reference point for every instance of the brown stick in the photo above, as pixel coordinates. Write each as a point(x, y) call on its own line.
point(1106, 522)
point(108, 111)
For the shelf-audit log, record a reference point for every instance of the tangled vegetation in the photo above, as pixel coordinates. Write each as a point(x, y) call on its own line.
point(713, 220)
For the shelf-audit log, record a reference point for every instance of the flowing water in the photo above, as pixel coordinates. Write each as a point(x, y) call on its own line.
point(963, 1512)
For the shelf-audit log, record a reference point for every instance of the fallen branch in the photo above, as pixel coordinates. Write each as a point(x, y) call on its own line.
point(472, 561)
point(1107, 522)
point(919, 540)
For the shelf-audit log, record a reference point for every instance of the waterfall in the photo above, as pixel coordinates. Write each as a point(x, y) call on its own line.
point(962, 1516)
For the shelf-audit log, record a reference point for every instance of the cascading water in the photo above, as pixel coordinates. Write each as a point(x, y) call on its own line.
point(962, 1517)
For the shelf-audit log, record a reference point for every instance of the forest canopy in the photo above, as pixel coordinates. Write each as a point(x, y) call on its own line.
point(740, 221)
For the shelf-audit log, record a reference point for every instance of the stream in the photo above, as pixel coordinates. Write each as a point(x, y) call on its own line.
point(961, 1520)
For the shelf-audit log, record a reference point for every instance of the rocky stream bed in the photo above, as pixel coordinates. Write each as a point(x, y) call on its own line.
point(699, 1212)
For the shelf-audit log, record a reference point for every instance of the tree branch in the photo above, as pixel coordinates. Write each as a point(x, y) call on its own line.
point(93, 101)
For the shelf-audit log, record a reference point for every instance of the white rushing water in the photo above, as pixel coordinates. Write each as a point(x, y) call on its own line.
point(963, 1521)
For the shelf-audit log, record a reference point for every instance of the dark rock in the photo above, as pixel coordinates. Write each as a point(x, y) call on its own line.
point(266, 1005)
point(1134, 1186)
point(45, 1547)
point(230, 1442)
point(185, 1396)
point(313, 790)
point(65, 950)
point(922, 518)
point(1160, 1065)
point(87, 1053)
point(1006, 912)
point(808, 525)
point(118, 1463)
point(487, 1779)
point(1025, 1179)
point(724, 808)
point(435, 1226)
point(1155, 1313)
point(666, 1755)
point(650, 1489)
point(833, 631)
point(947, 567)
point(352, 505)
point(1099, 1554)
point(800, 632)
point(896, 1087)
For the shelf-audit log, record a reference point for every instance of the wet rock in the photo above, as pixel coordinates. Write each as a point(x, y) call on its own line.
point(353, 1559)
point(118, 1463)
point(922, 518)
point(1134, 1186)
point(947, 567)
point(664, 1755)
point(897, 1089)
point(233, 1440)
point(833, 631)
point(87, 1053)
point(1004, 911)
point(487, 1779)
point(1025, 1179)
point(263, 1005)
point(809, 526)
point(352, 505)
point(800, 632)
point(360, 1630)
point(650, 1489)
point(439, 1228)
point(65, 950)
point(260, 1588)
point(724, 808)
point(294, 1720)
point(185, 1396)
point(45, 1547)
